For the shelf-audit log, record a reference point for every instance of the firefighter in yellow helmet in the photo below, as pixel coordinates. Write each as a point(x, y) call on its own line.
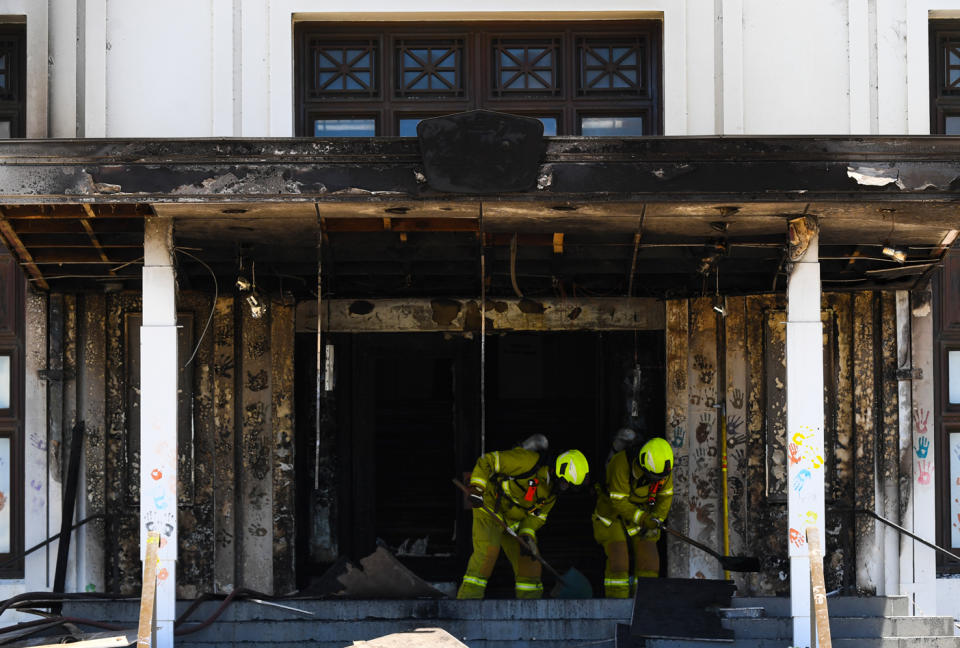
point(520, 486)
point(631, 503)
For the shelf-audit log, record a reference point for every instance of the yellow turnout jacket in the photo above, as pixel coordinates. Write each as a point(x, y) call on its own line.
point(522, 501)
point(628, 499)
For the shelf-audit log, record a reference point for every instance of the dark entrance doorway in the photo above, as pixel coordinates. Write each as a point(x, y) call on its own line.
point(408, 419)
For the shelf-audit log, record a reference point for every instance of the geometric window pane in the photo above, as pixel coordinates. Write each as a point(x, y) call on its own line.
point(953, 373)
point(951, 68)
point(5, 504)
point(429, 68)
point(526, 67)
point(952, 125)
point(610, 66)
point(549, 125)
point(408, 126)
point(343, 68)
point(607, 126)
point(5, 129)
point(4, 383)
point(344, 127)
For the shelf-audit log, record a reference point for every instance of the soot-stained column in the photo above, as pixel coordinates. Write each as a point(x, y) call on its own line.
point(805, 499)
point(158, 416)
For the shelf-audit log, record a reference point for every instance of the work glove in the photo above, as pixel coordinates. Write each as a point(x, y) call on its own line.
point(475, 498)
point(528, 545)
point(650, 522)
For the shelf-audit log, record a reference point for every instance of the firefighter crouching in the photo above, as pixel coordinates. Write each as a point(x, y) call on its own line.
point(631, 503)
point(521, 487)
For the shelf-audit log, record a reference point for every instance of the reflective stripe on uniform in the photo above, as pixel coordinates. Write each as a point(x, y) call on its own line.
point(615, 582)
point(496, 462)
point(618, 496)
point(637, 516)
point(473, 580)
point(667, 492)
point(540, 517)
point(632, 531)
point(605, 521)
point(525, 530)
point(529, 587)
point(478, 481)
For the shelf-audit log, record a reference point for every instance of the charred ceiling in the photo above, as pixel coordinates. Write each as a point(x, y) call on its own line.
point(608, 217)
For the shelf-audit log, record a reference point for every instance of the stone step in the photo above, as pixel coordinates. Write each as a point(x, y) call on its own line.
point(883, 642)
point(844, 627)
point(127, 610)
point(843, 606)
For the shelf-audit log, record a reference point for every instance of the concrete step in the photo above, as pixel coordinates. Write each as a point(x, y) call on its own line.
point(843, 606)
point(844, 627)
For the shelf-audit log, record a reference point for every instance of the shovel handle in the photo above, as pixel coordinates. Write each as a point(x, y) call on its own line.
point(523, 541)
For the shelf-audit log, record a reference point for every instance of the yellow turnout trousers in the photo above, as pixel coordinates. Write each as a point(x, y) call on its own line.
point(617, 582)
point(488, 538)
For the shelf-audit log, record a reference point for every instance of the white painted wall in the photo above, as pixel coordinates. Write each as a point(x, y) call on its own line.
point(202, 68)
point(219, 68)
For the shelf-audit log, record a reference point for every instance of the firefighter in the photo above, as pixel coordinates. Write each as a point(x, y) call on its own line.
point(631, 503)
point(520, 486)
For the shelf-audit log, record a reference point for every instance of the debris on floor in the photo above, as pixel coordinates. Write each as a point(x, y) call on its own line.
point(419, 638)
point(380, 575)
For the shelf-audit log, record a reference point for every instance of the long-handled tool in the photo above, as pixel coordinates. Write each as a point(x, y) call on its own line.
point(729, 563)
point(571, 585)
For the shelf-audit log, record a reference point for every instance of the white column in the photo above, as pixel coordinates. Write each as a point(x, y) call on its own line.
point(805, 503)
point(923, 451)
point(158, 415)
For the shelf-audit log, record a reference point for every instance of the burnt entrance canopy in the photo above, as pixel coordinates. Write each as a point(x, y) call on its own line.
point(653, 218)
point(652, 215)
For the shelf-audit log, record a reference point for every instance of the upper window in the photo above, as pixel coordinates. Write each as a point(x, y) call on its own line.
point(13, 59)
point(945, 77)
point(578, 78)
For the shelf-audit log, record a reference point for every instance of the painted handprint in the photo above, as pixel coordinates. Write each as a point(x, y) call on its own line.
point(733, 423)
point(801, 480)
point(736, 398)
point(796, 538)
point(794, 453)
point(923, 447)
point(922, 419)
point(679, 435)
point(703, 429)
point(924, 469)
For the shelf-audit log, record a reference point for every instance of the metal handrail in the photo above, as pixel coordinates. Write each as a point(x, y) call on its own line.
point(56, 536)
point(900, 529)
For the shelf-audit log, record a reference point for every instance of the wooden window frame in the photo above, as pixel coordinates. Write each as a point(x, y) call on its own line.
point(14, 108)
point(565, 103)
point(12, 418)
point(942, 105)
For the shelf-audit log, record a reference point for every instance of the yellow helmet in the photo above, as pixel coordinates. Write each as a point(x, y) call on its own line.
point(572, 466)
point(656, 458)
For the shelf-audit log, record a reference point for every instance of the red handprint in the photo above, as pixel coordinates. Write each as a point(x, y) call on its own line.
point(794, 453)
point(796, 539)
point(924, 468)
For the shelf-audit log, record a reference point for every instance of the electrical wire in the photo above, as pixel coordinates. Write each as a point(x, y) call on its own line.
point(213, 304)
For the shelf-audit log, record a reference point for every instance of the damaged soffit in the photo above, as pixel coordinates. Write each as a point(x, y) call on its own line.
point(650, 217)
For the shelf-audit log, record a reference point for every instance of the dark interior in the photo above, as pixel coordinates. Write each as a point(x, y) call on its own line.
point(408, 419)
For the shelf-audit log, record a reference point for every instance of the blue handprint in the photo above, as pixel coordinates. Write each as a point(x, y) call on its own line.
point(923, 446)
point(800, 480)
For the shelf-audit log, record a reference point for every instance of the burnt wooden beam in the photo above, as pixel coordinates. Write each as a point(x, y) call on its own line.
point(93, 235)
point(16, 246)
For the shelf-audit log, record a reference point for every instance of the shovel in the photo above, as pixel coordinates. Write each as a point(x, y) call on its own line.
point(729, 563)
point(571, 585)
